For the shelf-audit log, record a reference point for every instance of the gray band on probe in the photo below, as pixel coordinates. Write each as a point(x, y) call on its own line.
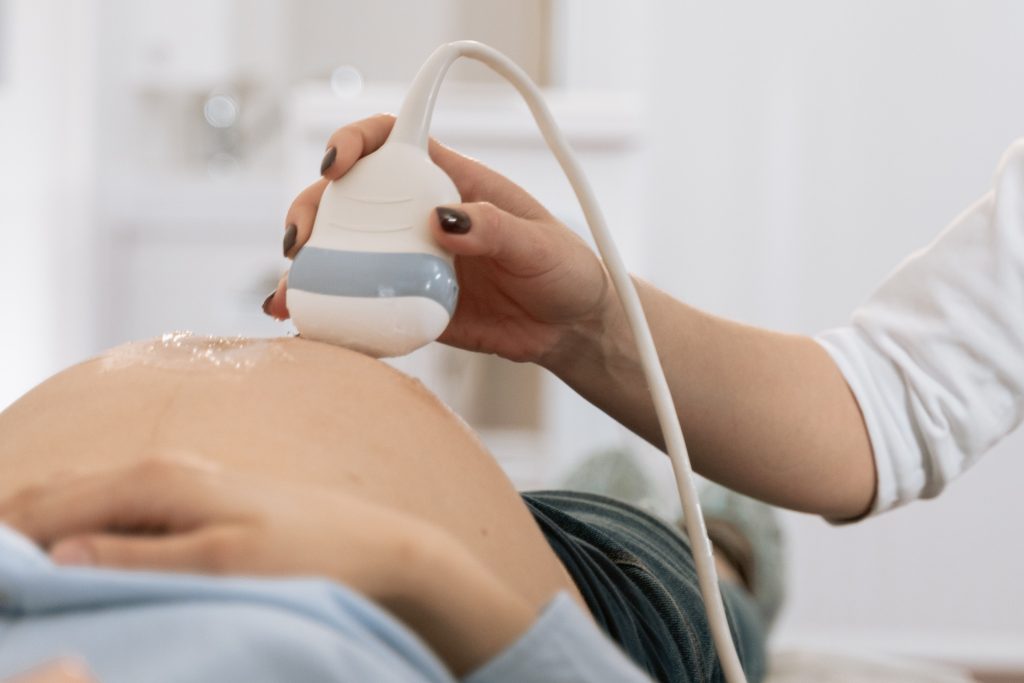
point(374, 275)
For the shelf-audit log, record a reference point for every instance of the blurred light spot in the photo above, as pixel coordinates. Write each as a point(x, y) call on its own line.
point(346, 81)
point(221, 111)
point(222, 165)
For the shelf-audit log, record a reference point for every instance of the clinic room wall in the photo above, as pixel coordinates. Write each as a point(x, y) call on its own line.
point(47, 84)
point(798, 151)
point(804, 149)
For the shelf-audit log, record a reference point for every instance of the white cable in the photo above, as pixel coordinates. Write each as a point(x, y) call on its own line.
point(412, 127)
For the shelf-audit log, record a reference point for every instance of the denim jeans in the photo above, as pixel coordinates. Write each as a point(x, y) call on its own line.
point(639, 580)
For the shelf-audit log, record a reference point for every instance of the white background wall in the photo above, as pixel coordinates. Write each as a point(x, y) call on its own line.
point(47, 94)
point(801, 150)
point(806, 148)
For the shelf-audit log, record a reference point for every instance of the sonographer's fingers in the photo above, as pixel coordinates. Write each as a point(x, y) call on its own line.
point(523, 248)
point(351, 143)
point(525, 284)
point(276, 305)
point(475, 181)
point(299, 221)
point(479, 183)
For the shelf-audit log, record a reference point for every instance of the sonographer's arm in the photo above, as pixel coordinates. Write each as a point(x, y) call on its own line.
point(934, 361)
point(928, 375)
point(936, 355)
point(764, 413)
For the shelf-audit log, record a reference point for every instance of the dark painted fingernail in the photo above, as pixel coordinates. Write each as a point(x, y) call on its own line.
point(328, 160)
point(453, 220)
point(266, 302)
point(290, 235)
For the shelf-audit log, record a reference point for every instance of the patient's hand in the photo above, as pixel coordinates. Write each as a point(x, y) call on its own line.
point(181, 516)
point(176, 516)
point(64, 671)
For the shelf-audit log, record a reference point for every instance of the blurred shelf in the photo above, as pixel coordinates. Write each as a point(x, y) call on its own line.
point(195, 208)
point(493, 114)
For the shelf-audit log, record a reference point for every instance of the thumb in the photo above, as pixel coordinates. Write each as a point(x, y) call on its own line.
point(523, 247)
point(197, 551)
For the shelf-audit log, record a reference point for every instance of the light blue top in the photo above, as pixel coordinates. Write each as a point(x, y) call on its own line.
point(156, 627)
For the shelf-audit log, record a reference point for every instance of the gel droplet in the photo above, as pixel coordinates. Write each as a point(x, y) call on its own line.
point(184, 350)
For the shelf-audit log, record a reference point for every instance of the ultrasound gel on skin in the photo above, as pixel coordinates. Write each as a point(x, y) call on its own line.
point(371, 278)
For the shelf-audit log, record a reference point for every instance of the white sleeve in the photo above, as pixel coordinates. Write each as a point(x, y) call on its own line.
point(562, 646)
point(935, 357)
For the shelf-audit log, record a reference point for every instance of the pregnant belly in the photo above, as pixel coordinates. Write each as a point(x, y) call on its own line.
point(288, 409)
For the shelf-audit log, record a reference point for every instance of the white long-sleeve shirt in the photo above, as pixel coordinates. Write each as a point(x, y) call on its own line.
point(935, 357)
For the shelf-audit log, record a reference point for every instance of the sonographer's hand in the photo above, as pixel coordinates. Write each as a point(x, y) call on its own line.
point(526, 281)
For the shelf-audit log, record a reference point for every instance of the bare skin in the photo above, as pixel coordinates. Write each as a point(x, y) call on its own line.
point(57, 672)
point(279, 457)
point(303, 413)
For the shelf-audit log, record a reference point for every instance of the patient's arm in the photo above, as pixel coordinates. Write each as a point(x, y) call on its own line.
point(212, 521)
point(310, 459)
point(284, 410)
